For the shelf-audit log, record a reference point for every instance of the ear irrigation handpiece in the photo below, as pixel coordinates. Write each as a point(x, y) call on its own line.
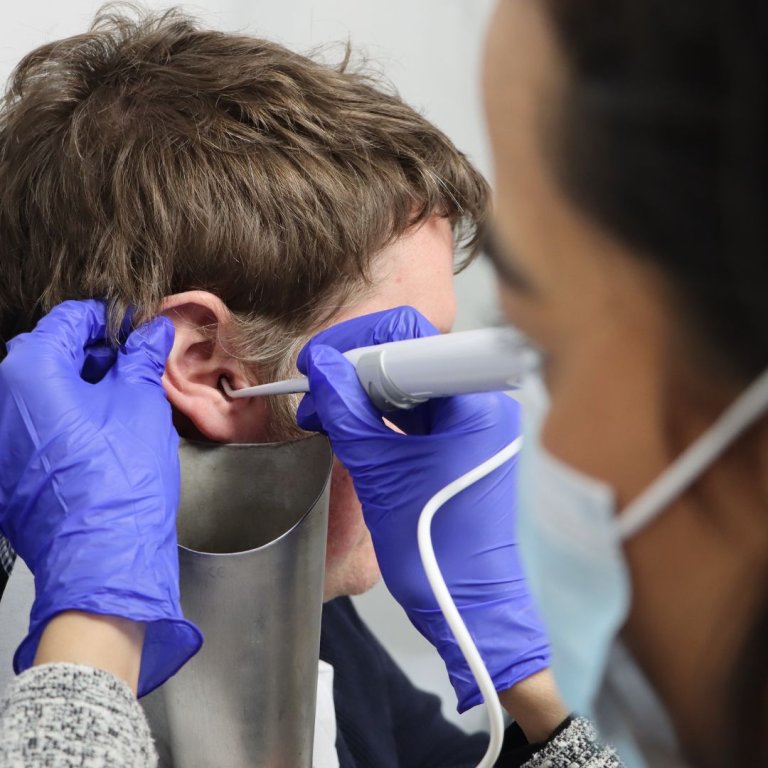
point(402, 374)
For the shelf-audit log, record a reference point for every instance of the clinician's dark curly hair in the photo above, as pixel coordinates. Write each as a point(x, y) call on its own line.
point(664, 141)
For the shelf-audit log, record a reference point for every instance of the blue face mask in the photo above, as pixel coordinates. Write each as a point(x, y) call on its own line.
point(571, 542)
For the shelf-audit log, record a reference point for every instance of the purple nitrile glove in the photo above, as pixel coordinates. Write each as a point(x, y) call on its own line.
point(396, 474)
point(89, 482)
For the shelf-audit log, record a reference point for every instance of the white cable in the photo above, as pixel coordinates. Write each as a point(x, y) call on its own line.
point(445, 601)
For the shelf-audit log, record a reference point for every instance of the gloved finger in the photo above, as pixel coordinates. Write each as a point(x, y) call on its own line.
point(464, 414)
point(143, 356)
point(54, 352)
point(477, 413)
point(60, 337)
point(412, 421)
point(99, 358)
point(336, 403)
point(377, 328)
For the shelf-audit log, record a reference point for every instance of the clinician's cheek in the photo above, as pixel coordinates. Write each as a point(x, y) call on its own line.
point(604, 420)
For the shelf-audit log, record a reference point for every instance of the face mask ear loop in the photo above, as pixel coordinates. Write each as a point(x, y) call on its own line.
point(740, 415)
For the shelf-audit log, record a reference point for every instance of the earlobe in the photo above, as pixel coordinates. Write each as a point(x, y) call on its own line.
point(194, 370)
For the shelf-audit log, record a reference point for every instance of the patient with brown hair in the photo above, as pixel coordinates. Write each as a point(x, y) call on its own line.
point(254, 196)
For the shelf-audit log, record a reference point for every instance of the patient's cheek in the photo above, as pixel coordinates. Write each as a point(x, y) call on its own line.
point(351, 566)
point(345, 517)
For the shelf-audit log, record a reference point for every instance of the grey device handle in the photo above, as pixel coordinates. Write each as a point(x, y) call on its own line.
point(402, 374)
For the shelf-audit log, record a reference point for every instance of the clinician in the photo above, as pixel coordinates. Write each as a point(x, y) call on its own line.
point(631, 159)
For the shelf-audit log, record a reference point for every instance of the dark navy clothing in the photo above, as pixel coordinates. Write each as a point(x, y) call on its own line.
point(7, 556)
point(382, 719)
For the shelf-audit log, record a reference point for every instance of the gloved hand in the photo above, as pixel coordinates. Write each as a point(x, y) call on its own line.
point(89, 482)
point(396, 474)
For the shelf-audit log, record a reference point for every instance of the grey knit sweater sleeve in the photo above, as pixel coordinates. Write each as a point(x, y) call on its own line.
point(66, 715)
point(576, 746)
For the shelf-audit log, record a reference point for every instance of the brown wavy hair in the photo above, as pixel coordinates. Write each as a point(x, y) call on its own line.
point(150, 156)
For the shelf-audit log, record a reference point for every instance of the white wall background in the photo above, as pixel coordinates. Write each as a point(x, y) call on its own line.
point(430, 50)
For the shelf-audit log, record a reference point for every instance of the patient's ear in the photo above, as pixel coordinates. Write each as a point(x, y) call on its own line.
point(194, 370)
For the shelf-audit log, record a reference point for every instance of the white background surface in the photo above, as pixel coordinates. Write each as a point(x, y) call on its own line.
point(430, 50)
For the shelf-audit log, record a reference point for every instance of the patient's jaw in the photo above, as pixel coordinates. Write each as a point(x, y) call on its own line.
point(416, 269)
point(350, 562)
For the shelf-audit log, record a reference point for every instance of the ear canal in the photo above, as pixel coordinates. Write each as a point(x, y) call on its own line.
point(225, 385)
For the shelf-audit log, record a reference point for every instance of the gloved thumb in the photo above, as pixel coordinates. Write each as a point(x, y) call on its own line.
point(143, 356)
point(368, 330)
point(336, 403)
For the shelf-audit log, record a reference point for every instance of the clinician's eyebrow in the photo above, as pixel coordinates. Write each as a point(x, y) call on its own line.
point(509, 272)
